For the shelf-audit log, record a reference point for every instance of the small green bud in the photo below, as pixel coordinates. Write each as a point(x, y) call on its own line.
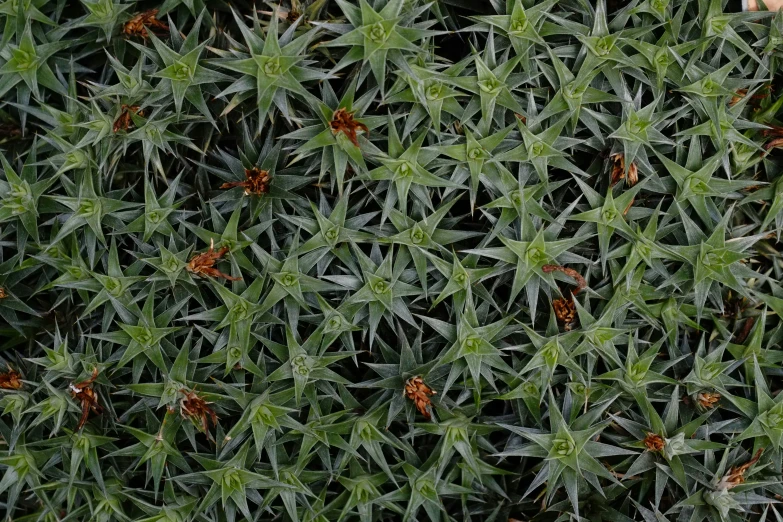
point(519, 24)
point(182, 71)
point(434, 91)
point(475, 153)
point(332, 234)
point(417, 236)
point(377, 33)
point(288, 279)
point(536, 149)
point(563, 447)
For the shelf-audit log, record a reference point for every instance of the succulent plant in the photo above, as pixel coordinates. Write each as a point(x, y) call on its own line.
point(332, 260)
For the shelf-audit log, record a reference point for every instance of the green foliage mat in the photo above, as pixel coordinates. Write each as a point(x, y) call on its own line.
point(379, 260)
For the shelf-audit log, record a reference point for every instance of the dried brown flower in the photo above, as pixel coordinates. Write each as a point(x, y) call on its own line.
point(654, 442)
point(292, 16)
point(203, 264)
point(618, 170)
point(11, 380)
point(85, 395)
point(520, 117)
point(3, 293)
point(124, 121)
point(137, 26)
point(565, 311)
point(565, 307)
point(342, 121)
point(257, 182)
point(707, 399)
point(419, 393)
point(197, 409)
point(736, 474)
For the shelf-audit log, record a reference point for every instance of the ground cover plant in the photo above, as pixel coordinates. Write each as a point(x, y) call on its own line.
point(375, 260)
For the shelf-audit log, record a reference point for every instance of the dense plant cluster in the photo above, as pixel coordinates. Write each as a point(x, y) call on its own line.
point(390, 260)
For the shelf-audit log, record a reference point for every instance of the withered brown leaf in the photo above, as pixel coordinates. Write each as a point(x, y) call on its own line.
point(764, 92)
point(417, 391)
point(342, 121)
point(257, 183)
point(736, 474)
point(776, 133)
point(742, 335)
point(203, 264)
point(87, 398)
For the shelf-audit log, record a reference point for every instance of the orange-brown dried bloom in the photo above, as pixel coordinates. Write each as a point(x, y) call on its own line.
point(195, 408)
point(137, 26)
point(203, 264)
point(654, 442)
point(419, 393)
point(257, 182)
point(707, 399)
point(3, 293)
point(565, 311)
point(88, 400)
point(11, 380)
point(292, 16)
point(125, 120)
point(736, 474)
point(565, 307)
point(618, 170)
point(342, 121)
